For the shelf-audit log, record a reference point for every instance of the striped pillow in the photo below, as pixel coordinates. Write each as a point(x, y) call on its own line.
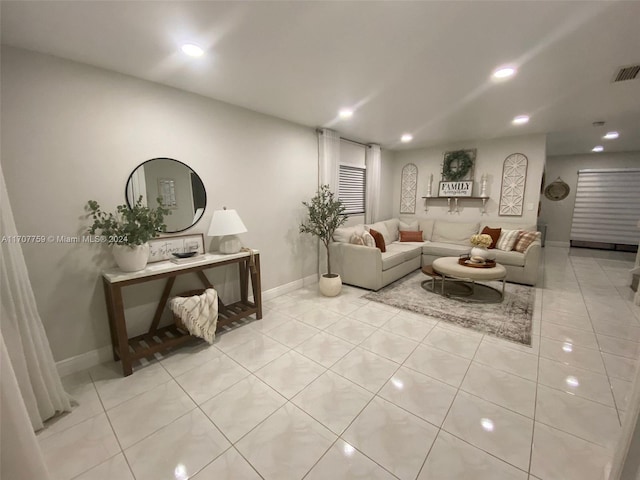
point(507, 240)
point(524, 240)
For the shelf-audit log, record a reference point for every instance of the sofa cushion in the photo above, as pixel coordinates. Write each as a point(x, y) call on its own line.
point(494, 233)
point(391, 259)
point(381, 228)
point(524, 240)
point(398, 254)
point(515, 259)
point(507, 240)
point(409, 236)
point(426, 225)
point(393, 227)
point(343, 234)
point(408, 225)
point(377, 236)
point(440, 249)
point(453, 232)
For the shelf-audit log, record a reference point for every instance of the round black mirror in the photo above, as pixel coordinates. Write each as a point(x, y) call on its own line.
point(179, 187)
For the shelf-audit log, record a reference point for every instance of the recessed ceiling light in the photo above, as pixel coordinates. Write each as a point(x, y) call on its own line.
point(520, 120)
point(504, 72)
point(345, 113)
point(407, 137)
point(192, 50)
point(597, 148)
point(611, 135)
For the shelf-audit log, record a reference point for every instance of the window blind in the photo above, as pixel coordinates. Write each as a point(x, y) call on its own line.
point(607, 208)
point(351, 189)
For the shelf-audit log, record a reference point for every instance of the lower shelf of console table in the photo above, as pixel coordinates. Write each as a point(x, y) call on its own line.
point(159, 339)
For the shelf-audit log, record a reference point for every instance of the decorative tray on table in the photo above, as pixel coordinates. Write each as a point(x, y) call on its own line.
point(468, 262)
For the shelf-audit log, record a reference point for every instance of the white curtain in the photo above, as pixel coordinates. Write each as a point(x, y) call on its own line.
point(328, 158)
point(373, 161)
point(20, 456)
point(26, 341)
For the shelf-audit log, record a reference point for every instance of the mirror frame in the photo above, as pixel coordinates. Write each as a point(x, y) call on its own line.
point(126, 185)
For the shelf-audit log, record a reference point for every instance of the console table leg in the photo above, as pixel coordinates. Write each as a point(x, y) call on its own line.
point(121, 330)
point(112, 328)
point(243, 268)
point(257, 287)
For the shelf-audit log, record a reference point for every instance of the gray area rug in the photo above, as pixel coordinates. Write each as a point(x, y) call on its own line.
point(510, 319)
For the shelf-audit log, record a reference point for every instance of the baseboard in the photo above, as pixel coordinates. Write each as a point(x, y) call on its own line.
point(83, 361)
point(101, 355)
point(550, 243)
point(289, 287)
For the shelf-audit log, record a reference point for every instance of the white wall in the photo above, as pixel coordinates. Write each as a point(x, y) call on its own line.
point(558, 215)
point(387, 199)
point(71, 133)
point(489, 160)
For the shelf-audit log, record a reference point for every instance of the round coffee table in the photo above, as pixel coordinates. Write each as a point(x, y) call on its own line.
point(450, 269)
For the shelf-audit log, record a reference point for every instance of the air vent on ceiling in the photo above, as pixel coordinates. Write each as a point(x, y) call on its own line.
point(627, 73)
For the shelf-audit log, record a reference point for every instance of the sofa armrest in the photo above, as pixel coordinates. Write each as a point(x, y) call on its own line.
point(357, 265)
point(532, 262)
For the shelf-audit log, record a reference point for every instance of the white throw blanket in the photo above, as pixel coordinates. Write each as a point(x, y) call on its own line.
point(199, 313)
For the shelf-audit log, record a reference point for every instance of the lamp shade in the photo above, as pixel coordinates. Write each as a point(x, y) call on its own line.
point(226, 222)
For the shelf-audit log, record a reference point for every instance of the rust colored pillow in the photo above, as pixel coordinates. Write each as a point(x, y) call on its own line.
point(494, 233)
point(377, 236)
point(408, 236)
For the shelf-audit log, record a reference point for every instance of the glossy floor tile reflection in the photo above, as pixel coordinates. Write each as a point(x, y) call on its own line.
point(344, 388)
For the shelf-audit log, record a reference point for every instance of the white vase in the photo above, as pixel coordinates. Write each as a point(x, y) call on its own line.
point(479, 252)
point(330, 286)
point(131, 258)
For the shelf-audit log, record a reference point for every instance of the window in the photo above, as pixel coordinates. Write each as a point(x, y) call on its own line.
point(606, 209)
point(351, 189)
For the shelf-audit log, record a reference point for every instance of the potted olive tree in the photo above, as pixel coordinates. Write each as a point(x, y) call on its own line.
point(128, 231)
point(324, 215)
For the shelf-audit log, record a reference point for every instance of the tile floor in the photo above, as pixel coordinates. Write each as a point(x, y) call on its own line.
point(346, 389)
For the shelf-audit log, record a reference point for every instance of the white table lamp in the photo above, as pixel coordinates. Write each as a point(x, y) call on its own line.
point(227, 224)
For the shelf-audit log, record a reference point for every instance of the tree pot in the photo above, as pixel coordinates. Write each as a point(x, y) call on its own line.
point(131, 258)
point(330, 285)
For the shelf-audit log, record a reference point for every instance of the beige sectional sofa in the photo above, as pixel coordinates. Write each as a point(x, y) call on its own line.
point(368, 267)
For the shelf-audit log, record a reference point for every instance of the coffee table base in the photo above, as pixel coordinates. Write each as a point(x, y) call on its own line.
point(463, 290)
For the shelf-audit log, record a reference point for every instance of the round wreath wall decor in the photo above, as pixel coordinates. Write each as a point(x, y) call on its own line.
point(456, 165)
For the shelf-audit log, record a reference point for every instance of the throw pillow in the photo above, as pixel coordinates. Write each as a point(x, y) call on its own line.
point(409, 227)
point(377, 236)
point(356, 239)
point(524, 240)
point(410, 236)
point(507, 240)
point(369, 241)
point(494, 233)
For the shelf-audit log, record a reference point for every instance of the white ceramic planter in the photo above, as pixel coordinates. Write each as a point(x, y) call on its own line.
point(330, 286)
point(131, 258)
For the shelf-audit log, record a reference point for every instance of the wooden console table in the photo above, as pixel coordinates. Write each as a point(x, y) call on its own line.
point(159, 339)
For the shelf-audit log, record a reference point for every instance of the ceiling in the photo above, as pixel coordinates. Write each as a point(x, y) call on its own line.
point(418, 67)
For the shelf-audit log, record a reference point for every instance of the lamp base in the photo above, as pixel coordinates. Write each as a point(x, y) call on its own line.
point(230, 244)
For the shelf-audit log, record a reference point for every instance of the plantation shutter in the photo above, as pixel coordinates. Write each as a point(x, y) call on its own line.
point(607, 208)
point(351, 189)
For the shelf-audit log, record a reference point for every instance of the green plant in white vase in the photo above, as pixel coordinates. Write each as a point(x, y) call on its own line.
point(128, 231)
point(325, 214)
